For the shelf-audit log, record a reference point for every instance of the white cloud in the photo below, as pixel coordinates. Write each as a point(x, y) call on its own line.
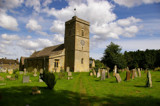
point(42, 33)
point(10, 37)
point(46, 2)
point(58, 26)
point(58, 38)
point(10, 4)
point(132, 3)
point(8, 22)
point(33, 25)
point(29, 37)
point(34, 44)
point(33, 3)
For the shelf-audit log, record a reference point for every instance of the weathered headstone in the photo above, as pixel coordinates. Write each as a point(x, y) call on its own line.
point(128, 75)
point(25, 79)
point(98, 74)
point(40, 80)
point(139, 72)
point(103, 76)
point(25, 71)
point(8, 76)
point(41, 71)
point(68, 69)
point(94, 72)
point(4, 70)
point(108, 76)
point(10, 71)
point(118, 78)
point(35, 72)
point(149, 80)
point(69, 75)
point(115, 70)
point(21, 72)
point(1, 78)
point(91, 74)
point(133, 74)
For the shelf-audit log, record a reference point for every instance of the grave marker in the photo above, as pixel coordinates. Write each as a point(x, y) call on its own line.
point(103, 76)
point(118, 78)
point(139, 72)
point(149, 80)
point(128, 75)
point(25, 79)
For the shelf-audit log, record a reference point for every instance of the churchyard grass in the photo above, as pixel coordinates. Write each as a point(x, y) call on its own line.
point(82, 90)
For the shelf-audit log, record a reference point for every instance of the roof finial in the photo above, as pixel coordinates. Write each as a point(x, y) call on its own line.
point(74, 11)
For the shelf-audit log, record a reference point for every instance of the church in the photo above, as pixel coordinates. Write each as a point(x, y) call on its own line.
point(74, 53)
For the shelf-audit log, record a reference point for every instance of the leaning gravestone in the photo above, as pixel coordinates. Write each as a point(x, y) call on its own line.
point(69, 75)
point(139, 72)
point(103, 76)
point(118, 78)
point(128, 75)
point(68, 69)
point(25, 79)
point(94, 72)
point(149, 80)
point(35, 72)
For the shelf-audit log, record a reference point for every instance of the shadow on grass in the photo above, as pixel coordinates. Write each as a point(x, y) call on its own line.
point(21, 96)
point(157, 81)
point(141, 86)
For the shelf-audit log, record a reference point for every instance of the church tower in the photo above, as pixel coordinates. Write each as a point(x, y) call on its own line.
point(77, 45)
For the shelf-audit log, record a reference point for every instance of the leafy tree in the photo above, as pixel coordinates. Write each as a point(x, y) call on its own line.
point(113, 56)
point(99, 64)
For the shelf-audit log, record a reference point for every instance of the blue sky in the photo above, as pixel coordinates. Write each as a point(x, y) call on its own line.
point(29, 25)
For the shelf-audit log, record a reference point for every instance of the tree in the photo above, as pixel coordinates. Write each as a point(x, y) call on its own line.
point(113, 56)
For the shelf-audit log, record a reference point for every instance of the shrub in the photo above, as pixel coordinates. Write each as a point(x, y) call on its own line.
point(61, 75)
point(15, 71)
point(49, 79)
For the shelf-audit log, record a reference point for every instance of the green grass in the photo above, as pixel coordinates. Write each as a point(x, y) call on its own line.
point(82, 90)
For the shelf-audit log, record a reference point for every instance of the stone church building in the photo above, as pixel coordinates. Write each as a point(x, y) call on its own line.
point(74, 53)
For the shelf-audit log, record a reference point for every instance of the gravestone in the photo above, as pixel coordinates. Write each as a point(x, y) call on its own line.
point(118, 78)
point(91, 74)
point(35, 72)
point(68, 69)
point(25, 79)
point(115, 70)
point(4, 70)
point(41, 71)
point(139, 72)
point(103, 76)
point(108, 76)
point(98, 74)
point(133, 74)
point(10, 71)
point(149, 80)
point(69, 75)
point(1, 78)
point(94, 72)
point(25, 71)
point(8, 76)
point(40, 80)
point(20, 72)
point(128, 75)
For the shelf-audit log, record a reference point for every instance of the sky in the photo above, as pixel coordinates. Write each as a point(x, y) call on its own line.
point(30, 25)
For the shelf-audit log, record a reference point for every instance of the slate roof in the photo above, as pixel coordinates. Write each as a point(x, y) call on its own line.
point(8, 61)
point(49, 51)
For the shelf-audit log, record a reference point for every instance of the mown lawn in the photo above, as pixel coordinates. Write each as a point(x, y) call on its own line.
point(82, 90)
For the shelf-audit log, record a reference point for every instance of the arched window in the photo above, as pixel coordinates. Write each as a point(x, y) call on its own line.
point(82, 61)
point(82, 32)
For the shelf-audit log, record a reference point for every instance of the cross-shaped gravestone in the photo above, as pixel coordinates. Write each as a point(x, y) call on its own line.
point(25, 79)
